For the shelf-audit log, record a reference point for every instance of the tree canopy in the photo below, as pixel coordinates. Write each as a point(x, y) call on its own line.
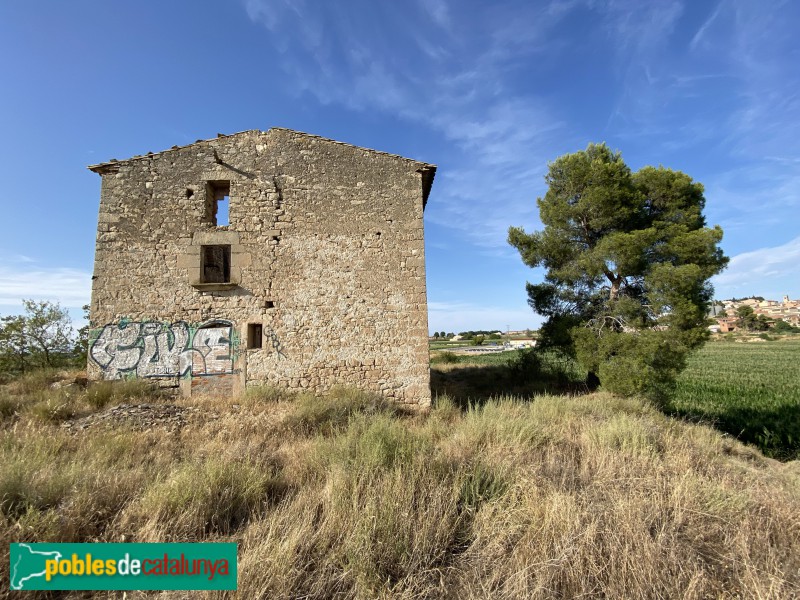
point(42, 337)
point(748, 320)
point(627, 259)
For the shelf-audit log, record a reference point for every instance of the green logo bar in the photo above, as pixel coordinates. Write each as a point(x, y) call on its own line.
point(38, 566)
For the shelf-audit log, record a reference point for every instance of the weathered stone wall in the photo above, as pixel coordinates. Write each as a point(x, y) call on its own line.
point(326, 254)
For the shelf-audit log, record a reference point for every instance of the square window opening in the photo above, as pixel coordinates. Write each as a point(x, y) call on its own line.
point(219, 194)
point(216, 264)
point(255, 335)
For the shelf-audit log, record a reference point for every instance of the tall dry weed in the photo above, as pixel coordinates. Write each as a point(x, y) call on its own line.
point(547, 497)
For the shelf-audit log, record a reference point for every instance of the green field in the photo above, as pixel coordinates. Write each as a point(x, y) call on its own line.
point(750, 390)
point(445, 345)
point(470, 379)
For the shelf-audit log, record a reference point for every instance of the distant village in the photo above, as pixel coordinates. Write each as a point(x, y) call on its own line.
point(726, 312)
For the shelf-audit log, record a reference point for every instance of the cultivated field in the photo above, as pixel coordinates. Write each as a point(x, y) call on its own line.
point(745, 386)
point(548, 497)
point(749, 389)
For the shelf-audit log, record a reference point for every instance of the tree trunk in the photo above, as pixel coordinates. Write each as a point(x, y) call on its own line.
point(592, 381)
point(616, 282)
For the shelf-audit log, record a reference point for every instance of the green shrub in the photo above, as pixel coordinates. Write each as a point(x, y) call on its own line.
point(445, 409)
point(100, 394)
point(526, 364)
point(379, 442)
point(445, 357)
point(782, 326)
point(394, 530)
point(480, 484)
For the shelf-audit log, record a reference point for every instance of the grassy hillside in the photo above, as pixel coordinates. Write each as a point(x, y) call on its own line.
point(555, 497)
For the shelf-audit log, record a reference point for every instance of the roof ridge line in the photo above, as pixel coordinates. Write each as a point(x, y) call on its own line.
point(327, 139)
point(114, 161)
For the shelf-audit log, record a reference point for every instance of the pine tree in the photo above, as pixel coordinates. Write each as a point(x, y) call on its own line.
point(627, 259)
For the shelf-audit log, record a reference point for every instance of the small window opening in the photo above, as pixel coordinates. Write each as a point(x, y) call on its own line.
point(219, 193)
point(189, 192)
point(255, 335)
point(216, 264)
point(223, 206)
point(269, 304)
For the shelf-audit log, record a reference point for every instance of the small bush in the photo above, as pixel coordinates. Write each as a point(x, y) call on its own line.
point(393, 531)
point(30, 476)
point(8, 406)
point(784, 327)
point(526, 365)
point(50, 406)
point(625, 433)
point(445, 409)
point(100, 394)
point(445, 357)
point(481, 484)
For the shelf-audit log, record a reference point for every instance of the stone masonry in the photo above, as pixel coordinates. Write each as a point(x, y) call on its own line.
point(317, 279)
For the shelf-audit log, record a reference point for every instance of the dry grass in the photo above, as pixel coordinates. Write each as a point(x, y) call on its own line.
point(555, 497)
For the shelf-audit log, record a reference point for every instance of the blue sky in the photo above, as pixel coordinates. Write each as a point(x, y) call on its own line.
point(490, 92)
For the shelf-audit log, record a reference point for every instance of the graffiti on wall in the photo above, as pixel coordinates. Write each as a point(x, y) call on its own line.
point(276, 344)
point(155, 349)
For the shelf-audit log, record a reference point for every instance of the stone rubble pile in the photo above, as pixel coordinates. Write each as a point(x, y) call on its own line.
point(141, 417)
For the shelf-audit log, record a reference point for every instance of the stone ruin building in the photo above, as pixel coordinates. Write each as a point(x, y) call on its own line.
point(263, 257)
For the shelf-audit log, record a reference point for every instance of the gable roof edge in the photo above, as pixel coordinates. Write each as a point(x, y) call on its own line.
point(111, 165)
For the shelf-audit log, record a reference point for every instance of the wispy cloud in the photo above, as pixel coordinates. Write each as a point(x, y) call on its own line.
point(670, 96)
point(728, 104)
point(699, 36)
point(764, 272)
point(69, 287)
point(438, 10)
point(760, 201)
point(761, 50)
point(725, 95)
point(462, 316)
point(458, 85)
point(639, 30)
